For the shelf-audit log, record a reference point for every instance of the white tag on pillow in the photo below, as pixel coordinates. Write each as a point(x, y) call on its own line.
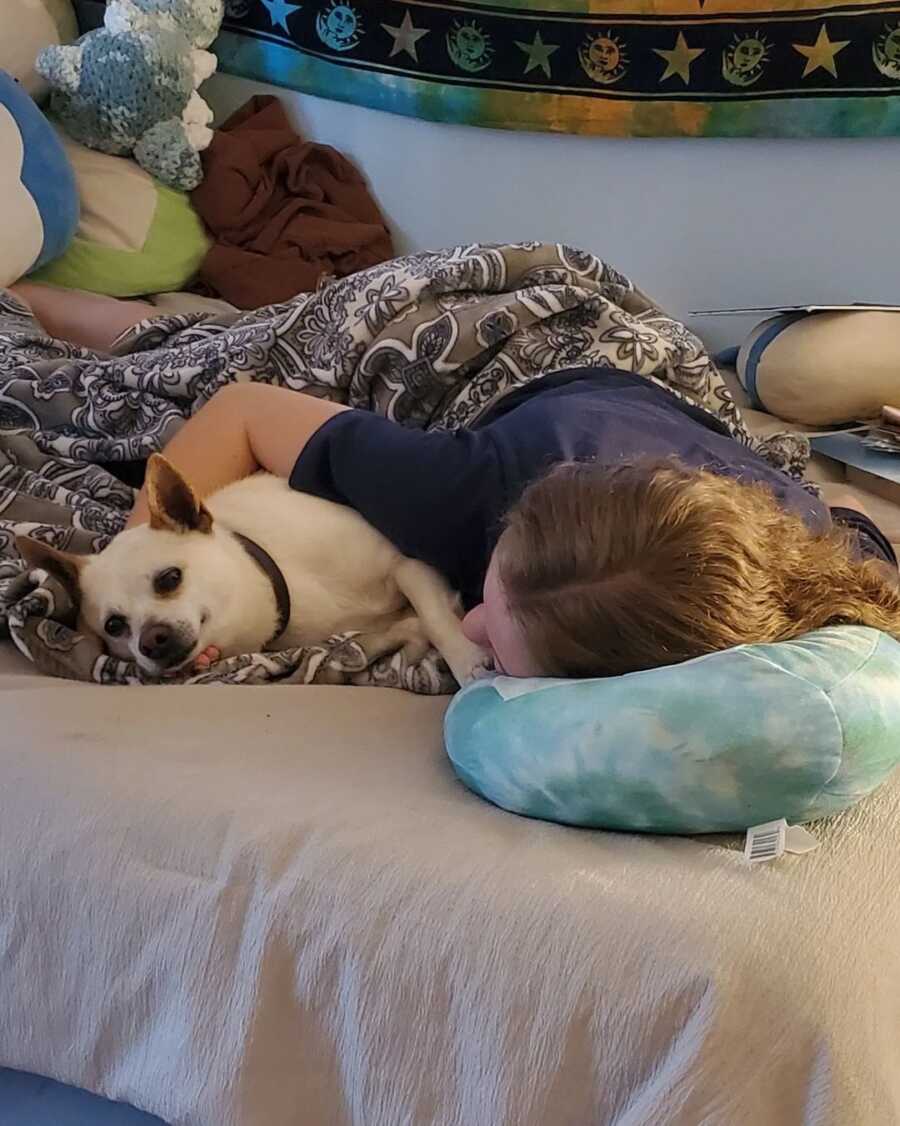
point(512, 687)
point(774, 839)
point(765, 842)
point(799, 840)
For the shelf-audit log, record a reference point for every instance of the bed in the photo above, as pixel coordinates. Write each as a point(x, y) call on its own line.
point(307, 918)
point(226, 905)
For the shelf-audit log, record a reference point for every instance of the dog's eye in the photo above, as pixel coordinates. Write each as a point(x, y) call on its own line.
point(167, 581)
point(115, 625)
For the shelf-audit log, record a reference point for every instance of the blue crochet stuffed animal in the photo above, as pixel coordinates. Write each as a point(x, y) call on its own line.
point(131, 86)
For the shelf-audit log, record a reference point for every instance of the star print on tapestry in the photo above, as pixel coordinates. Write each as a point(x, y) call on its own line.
point(790, 68)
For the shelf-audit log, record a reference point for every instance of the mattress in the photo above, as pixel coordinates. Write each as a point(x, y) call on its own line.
point(261, 906)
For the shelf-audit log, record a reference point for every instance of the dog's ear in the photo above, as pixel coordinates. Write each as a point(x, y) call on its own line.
point(174, 506)
point(62, 565)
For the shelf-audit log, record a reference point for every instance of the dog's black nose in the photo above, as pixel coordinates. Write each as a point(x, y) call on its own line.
point(157, 641)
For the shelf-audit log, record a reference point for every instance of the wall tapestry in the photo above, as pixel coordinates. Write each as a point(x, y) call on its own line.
point(723, 68)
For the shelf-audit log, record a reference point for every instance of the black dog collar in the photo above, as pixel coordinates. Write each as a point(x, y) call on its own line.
point(275, 577)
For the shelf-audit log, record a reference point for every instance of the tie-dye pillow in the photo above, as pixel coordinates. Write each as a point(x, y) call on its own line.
point(800, 729)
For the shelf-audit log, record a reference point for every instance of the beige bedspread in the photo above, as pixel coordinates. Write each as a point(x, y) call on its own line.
point(292, 913)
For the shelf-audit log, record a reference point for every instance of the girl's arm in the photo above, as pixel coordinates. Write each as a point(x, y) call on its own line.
point(243, 428)
point(89, 320)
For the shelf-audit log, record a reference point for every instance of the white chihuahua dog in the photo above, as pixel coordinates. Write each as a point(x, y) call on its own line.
point(255, 566)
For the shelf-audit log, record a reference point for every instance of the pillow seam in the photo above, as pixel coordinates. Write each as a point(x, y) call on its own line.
point(833, 710)
point(876, 641)
point(862, 664)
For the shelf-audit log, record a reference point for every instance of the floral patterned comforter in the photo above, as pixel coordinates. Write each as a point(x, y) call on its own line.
point(430, 340)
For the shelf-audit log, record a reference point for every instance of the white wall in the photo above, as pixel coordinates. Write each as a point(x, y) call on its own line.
point(696, 223)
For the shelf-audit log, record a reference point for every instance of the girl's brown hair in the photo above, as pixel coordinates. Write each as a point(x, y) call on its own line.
point(612, 570)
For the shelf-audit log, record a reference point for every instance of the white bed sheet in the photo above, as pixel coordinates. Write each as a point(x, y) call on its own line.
point(268, 906)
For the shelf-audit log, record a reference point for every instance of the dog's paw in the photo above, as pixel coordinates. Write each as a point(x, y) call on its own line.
point(485, 670)
point(208, 657)
point(468, 662)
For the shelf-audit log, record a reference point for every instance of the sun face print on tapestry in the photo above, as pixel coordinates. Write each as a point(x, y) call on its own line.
point(636, 68)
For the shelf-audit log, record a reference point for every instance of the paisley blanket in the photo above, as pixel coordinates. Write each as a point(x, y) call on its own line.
point(429, 340)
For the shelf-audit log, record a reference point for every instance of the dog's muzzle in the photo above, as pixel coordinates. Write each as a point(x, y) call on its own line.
point(164, 644)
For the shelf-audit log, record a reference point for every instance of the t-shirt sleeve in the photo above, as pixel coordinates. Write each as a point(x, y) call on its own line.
point(437, 496)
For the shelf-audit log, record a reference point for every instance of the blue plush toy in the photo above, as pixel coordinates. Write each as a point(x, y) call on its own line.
point(130, 87)
point(38, 196)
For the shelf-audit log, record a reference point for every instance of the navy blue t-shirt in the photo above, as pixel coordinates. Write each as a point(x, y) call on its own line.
point(441, 496)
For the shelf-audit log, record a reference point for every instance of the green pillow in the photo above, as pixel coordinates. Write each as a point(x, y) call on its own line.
point(800, 730)
point(136, 236)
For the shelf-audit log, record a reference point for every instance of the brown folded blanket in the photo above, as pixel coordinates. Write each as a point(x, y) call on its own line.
point(282, 211)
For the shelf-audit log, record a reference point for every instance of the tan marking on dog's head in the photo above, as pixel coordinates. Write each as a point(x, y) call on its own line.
point(174, 506)
point(62, 565)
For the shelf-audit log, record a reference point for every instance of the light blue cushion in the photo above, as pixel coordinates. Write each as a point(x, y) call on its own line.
point(801, 729)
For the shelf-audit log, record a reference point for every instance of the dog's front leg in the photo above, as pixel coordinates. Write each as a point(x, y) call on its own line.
point(435, 604)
